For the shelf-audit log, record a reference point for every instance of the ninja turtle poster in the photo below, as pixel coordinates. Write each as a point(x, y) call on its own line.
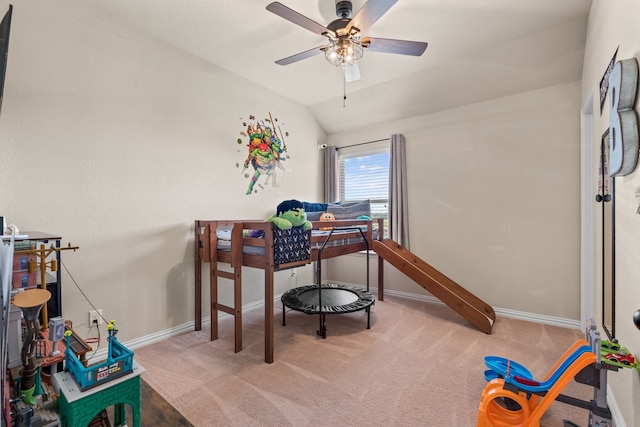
point(265, 148)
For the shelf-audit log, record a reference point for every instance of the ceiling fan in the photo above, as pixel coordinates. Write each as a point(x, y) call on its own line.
point(345, 43)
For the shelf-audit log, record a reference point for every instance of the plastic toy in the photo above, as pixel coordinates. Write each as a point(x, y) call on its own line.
point(119, 362)
point(610, 345)
point(30, 302)
point(616, 356)
point(42, 264)
point(513, 397)
point(622, 358)
point(516, 374)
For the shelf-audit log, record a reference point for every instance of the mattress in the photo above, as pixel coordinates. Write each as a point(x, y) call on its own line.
point(223, 235)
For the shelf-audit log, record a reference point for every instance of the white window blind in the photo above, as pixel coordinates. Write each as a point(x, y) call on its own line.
point(364, 174)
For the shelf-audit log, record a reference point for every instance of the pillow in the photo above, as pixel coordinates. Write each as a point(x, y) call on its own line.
point(314, 216)
point(256, 234)
point(350, 210)
point(314, 207)
point(224, 232)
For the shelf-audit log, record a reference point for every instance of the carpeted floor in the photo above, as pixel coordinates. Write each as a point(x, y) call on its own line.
point(420, 364)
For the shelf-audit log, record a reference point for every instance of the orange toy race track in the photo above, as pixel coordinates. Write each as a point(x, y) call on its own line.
point(513, 398)
point(492, 414)
point(442, 287)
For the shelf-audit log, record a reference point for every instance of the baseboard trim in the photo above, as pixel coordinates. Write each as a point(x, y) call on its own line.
point(521, 315)
point(616, 415)
point(176, 330)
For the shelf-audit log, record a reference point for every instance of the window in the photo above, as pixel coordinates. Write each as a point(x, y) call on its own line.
point(364, 174)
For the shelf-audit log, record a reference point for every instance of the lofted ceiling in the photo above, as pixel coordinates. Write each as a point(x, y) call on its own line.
point(478, 50)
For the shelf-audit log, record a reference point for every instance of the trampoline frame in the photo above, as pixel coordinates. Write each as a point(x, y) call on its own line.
point(364, 302)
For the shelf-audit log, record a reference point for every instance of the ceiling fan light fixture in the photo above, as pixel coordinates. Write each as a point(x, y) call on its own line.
point(345, 42)
point(343, 52)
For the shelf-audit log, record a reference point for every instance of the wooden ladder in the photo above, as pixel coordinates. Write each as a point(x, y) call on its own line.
point(207, 230)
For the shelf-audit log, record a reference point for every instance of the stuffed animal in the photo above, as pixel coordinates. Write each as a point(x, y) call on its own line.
point(289, 214)
point(327, 216)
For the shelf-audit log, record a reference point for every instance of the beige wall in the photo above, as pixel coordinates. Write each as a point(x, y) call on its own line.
point(494, 193)
point(118, 142)
point(613, 24)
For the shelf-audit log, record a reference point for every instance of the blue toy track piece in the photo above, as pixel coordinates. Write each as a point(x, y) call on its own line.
point(543, 386)
point(498, 368)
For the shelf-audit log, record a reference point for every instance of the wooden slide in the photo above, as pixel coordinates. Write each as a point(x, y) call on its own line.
point(446, 290)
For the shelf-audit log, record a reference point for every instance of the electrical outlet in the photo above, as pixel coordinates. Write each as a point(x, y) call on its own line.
point(95, 317)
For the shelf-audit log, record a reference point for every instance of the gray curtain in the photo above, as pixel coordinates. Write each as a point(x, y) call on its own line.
point(331, 174)
point(398, 207)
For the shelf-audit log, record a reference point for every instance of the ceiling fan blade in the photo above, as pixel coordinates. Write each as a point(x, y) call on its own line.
point(298, 19)
point(300, 56)
point(401, 47)
point(369, 14)
point(351, 72)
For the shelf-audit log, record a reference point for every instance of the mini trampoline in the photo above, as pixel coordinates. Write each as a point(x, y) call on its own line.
point(329, 298)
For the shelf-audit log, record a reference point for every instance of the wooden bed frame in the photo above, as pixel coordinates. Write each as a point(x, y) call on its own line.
point(206, 251)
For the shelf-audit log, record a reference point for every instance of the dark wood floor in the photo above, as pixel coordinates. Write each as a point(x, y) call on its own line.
point(156, 411)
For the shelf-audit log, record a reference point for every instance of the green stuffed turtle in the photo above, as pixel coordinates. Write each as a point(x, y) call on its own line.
point(289, 214)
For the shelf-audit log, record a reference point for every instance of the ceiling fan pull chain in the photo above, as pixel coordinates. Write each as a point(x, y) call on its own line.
point(344, 91)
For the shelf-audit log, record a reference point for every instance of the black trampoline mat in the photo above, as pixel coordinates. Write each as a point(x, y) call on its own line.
point(335, 299)
point(330, 297)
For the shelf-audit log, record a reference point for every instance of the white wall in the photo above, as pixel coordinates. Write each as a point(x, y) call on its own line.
point(494, 193)
point(613, 25)
point(118, 142)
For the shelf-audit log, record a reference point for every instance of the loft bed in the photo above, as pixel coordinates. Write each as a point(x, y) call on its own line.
point(259, 244)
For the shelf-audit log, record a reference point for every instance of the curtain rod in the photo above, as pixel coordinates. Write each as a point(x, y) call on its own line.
point(363, 143)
